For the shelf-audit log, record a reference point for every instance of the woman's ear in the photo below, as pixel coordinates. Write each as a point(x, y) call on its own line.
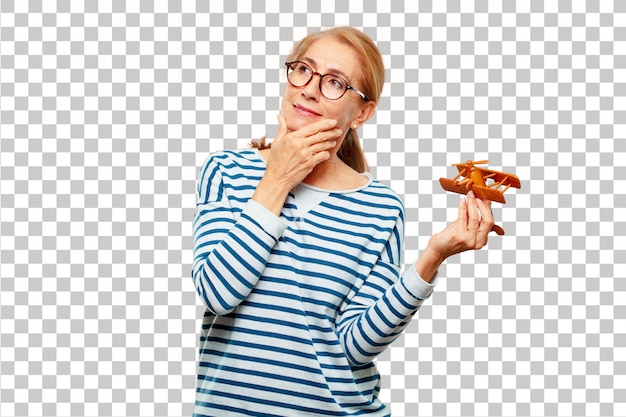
point(367, 111)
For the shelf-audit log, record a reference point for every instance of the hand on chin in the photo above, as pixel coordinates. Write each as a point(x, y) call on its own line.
point(295, 123)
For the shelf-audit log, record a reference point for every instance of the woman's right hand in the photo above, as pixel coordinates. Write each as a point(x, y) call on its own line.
point(294, 154)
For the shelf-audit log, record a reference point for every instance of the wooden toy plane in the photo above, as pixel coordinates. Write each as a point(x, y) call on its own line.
point(471, 177)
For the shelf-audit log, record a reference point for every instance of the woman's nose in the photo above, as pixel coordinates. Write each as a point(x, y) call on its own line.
point(312, 89)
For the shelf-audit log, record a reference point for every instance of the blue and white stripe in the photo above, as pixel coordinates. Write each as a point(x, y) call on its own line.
point(299, 306)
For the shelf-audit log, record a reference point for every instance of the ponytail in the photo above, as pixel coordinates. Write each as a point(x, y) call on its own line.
point(351, 152)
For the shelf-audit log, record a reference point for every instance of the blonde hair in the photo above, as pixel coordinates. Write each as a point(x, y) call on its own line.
point(370, 81)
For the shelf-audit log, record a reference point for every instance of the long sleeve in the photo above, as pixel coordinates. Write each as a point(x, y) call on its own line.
point(384, 305)
point(231, 244)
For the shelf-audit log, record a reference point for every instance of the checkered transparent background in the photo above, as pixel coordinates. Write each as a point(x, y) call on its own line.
point(107, 110)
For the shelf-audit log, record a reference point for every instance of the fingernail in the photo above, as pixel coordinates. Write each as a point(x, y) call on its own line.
point(470, 194)
point(332, 122)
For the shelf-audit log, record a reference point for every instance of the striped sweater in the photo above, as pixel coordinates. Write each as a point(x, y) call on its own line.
point(297, 306)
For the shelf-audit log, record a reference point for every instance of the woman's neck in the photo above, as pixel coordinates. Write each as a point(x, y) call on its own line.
point(334, 174)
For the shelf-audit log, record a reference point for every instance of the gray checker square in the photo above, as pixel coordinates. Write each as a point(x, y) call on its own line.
point(108, 109)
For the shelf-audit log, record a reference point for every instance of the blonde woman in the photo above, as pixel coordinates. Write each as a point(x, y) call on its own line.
point(298, 250)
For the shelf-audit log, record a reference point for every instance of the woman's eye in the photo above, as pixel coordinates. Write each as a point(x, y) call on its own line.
point(303, 69)
point(335, 83)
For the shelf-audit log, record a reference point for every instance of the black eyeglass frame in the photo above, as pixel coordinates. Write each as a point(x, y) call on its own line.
point(348, 86)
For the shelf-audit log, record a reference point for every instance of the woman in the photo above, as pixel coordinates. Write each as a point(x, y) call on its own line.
point(297, 250)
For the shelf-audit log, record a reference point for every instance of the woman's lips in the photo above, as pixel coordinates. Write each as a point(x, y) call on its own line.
point(305, 111)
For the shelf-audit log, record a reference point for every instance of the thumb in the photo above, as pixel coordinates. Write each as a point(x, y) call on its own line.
point(282, 126)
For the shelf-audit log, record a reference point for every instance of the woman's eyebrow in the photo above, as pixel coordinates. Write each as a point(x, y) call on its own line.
point(330, 70)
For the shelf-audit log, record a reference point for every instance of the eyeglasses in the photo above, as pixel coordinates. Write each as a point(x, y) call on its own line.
point(332, 86)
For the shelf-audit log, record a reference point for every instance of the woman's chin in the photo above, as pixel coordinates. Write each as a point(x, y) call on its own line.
point(295, 123)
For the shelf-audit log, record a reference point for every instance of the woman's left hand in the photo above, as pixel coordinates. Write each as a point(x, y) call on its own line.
point(469, 231)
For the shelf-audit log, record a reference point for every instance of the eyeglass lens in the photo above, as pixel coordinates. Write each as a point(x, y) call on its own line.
point(331, 86)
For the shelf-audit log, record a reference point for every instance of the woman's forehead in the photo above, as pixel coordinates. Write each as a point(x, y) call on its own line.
point(331, 55)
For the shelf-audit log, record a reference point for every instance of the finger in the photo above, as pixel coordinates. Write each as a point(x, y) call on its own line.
point(321, 140)
point(486, 224)
point(282, 126)
point(316, 127)
point(320, 157)
point(473, 219)
point(463, 212)
point(332, 134)
point(326, 145)
point(484, 208)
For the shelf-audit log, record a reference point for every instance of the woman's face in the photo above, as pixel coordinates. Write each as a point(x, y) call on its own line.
point(304, 105)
